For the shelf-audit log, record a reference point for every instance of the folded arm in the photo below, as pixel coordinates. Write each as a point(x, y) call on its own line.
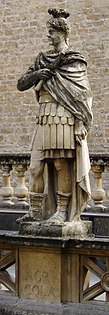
point(32, 77)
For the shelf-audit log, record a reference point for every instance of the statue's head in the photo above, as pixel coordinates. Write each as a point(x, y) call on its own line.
point(59, 23)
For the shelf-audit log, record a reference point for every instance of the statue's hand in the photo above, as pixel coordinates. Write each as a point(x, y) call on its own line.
point(80, 131)
point(44, 74)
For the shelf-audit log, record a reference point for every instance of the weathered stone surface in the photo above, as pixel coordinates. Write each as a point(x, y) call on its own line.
point(8, 218)
point(14, 239)
point(11, 305)
point(100, 221)
point(68, 229)
point(43, 281)
point(51, 269)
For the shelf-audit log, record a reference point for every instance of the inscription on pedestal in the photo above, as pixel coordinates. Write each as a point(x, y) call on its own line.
point(39, 276)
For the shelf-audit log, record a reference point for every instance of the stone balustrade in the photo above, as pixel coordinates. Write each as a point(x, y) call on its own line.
point(99, 181)
point(14, 183)
point(14, 191)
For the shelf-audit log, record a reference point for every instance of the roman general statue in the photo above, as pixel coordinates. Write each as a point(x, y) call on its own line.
point(59, 159)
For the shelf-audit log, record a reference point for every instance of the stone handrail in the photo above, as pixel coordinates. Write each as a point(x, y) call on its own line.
point(14, 191)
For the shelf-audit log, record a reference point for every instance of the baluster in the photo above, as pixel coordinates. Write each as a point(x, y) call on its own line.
point(107, 170)
point(21, 191)
point(98, 193)
point(6, 190)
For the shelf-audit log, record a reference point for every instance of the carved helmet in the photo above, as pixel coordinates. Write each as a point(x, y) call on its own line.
point(59, 21)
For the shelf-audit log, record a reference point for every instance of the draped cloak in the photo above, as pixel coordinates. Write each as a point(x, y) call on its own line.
point(69, 84)
point(70, 87)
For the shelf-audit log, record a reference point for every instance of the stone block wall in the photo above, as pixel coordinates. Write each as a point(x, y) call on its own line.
point(22, 36)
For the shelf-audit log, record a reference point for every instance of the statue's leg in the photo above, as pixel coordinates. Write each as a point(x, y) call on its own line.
point(36, 184)
point(63, 170)
point(36, 188)
point(63, 194)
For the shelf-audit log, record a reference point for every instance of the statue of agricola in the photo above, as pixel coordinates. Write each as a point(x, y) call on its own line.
point(64, 117)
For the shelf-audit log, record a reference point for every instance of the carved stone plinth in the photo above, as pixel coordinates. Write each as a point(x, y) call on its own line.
point(43, 281)
point(67, 229)
point(43, 274)
point(55, 269)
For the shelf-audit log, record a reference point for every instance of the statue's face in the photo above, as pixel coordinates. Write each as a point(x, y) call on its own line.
point(55, 36)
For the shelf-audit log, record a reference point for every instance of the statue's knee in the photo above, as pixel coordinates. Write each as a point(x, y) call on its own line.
point(58, 163)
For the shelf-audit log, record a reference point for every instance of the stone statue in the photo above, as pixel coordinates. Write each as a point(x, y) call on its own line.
point(63, 120)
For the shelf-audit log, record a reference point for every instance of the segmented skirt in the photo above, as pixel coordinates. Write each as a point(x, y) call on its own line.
point(54, 131)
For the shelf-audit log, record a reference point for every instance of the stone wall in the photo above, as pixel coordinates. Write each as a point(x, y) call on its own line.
point(22, 37)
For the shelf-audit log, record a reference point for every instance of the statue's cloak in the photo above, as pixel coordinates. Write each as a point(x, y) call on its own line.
point(69, 84)
point(70, 87)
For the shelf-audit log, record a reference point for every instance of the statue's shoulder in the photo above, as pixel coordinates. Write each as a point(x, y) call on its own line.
point(72, 55)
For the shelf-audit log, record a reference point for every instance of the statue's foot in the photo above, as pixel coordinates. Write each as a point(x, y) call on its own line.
point(37, 215)
point(31, 216)
point(58, 218)
point(27, 217)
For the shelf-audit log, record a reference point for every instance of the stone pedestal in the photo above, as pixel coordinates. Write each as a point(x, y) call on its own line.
point(48, 272)
point(42, 275)
point(66, 229)
point(55, 269)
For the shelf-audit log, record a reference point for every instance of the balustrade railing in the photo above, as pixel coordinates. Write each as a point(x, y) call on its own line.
point(15, 178)
point(100, 180)
point(14, 191)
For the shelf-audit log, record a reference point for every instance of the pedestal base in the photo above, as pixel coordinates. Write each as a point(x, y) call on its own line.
point(67, 229)
point(41, 273)
point(55, 269)
point(49, 279)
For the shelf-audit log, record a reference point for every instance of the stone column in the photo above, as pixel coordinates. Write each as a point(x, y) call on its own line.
point(107, 192)
point(98, 193)
point(21, 191)
point(6, 191)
